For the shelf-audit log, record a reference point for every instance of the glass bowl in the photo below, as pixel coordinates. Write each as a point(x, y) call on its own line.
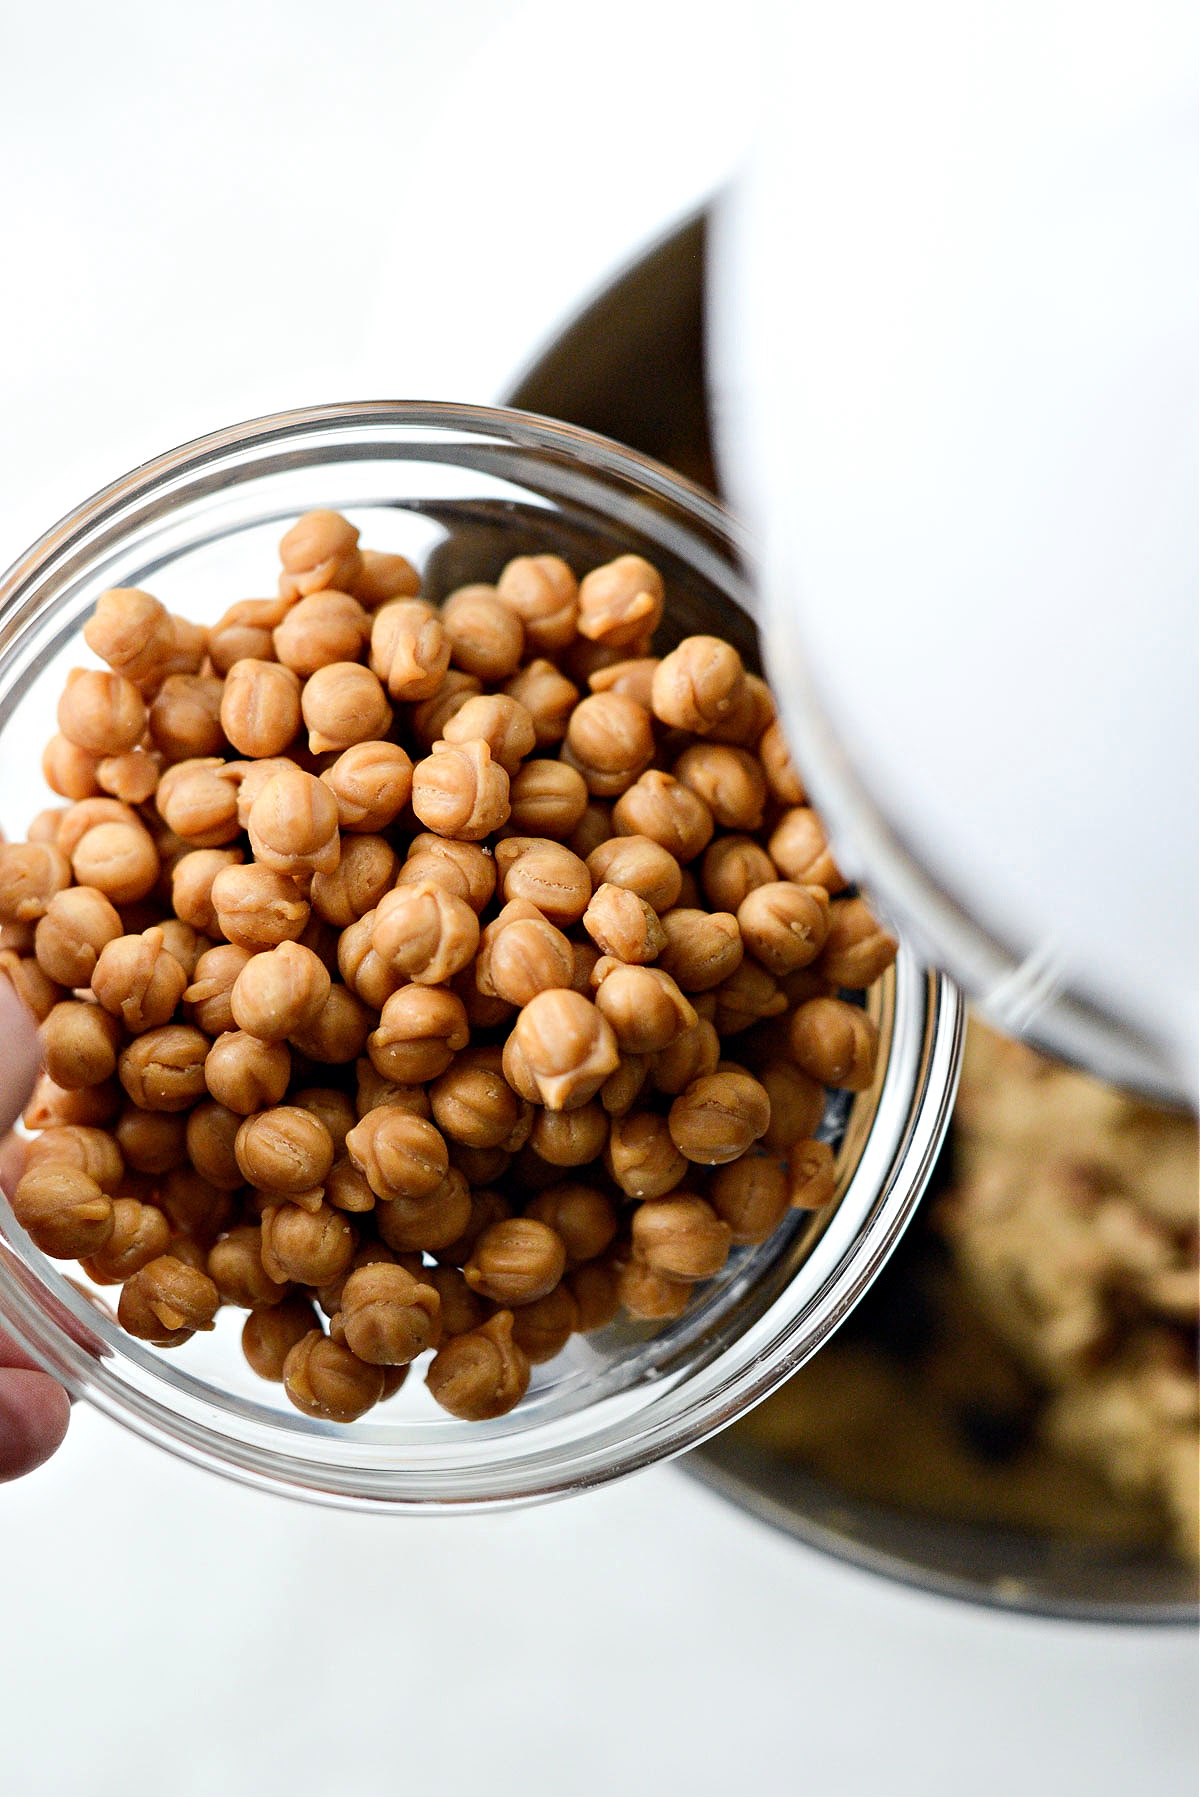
point(459, 490)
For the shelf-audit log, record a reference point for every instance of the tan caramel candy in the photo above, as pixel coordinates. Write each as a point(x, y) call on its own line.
point(256, 908)
point(244, 633)
point(198, 801)
point(581, 1216)
point(641, 1156)
point(94, 1152)
point(54, 1104)
point(660, 807)
point(749, 995)
point(249, 778)
point(431, 715)
point(80, 1044)
point(30, 983)
point(729, 780)
point(800, 850)
point(542, 1329)
point(192, 880)
point(236, 1270)
point(544, 594)
point(502, 723)
point(152, 1142)
point(696, 686)
point(432, 1222)
point(648, 1295)
point(753, 709)
point(812, 1175)
point(64, 1210)
point(547, 874)
point(474, 1104)
point(260, 707)
point(549, 698)
point(383, 575)
point(459, 791)
point(639, 864)
point(365, 972)
point(293, 825)
point(718, 1116)
point(138, 981)
point(271, 1332)
point(644, 1007)
point(166, 1301)
point(594, 1289)
point(207, 998)
point(163, 1070)
point(784, 925)
point(131, 776)
point(388, 1316)
point(185, 717)
point(547, 799)
point(569, 1138)
point(610, 739)
point(311, 1247)
point(189, 646)
point(324, 627)
point(211, 1138)
point(410, 651)
point(681, 1238)
point(481, 1374)
point(521, 954)
point(567, 1047)
point(486, 636)
point(343, 704)
point(69, 770)
point(279, 992)
point(797, 1104)
point(286, 1149)
point(834, 1042)
point(468, 870)
point(424, 932)
point(857, 947)
point(622, 924)
point(195, 1207)
point(621, 603)
point(366, 871)
point(516, 1261)
point(780, 770)
point(320, 549)
point(347, 1189)
point(32, 875)
point(371, 784)
point(623, 1088)
point(751, 1195)
point(402, 1156)
point(140, 1234)
point(702, 948)
point(100, 712)
point(732, 868)
point(324, 1379)
point(421, 1029)
point(132, 632)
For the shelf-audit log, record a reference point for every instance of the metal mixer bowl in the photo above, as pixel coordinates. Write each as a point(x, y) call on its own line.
point(630, 365)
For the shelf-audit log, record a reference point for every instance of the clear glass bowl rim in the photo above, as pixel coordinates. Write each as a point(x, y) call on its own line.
point(680, 1418)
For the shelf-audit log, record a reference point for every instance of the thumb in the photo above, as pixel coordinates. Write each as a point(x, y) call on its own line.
point(20, 1055)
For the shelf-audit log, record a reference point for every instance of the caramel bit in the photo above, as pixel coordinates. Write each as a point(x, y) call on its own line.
point(481, 1374)
point(385, 956)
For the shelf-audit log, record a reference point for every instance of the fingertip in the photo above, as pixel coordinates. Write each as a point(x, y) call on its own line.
point(20, 1057)
point(34, 1414)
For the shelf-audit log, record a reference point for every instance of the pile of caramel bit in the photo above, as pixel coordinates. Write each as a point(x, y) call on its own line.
point(423, 978)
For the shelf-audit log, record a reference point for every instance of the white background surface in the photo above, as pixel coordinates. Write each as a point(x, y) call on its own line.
point(209, 211)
